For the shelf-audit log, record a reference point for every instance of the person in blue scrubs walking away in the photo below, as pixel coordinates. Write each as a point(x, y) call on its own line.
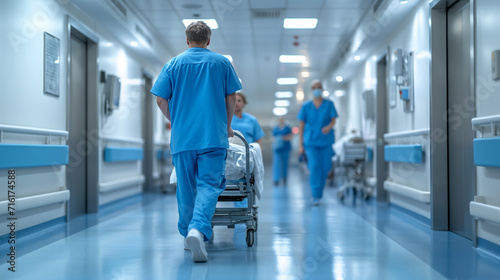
point(244, 122)
point(196, 92)
point(317, 118)
point(248, 126)
point(281, 151)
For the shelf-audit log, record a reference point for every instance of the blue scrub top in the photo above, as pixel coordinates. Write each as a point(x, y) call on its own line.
point(195, 83)
point(315, 119)
point(248, 126)
point(277, 131)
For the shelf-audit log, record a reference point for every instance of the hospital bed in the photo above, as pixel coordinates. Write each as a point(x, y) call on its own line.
point(244, 177)
point(352, 160)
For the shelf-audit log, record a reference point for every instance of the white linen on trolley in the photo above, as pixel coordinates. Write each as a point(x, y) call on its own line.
point(236, 165)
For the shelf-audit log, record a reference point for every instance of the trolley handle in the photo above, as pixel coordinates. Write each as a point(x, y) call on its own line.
point(247, 153)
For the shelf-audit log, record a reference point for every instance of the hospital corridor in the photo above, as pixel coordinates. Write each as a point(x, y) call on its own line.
point(250, 139)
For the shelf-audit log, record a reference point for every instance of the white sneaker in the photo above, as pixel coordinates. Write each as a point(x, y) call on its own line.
point(185, 245)
point(194, 242)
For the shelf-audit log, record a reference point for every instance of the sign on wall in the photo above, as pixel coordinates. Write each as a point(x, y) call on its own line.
point(51, 62)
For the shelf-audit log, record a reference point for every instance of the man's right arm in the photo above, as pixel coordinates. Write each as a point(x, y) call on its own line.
point(230, 104)
point(163, 105)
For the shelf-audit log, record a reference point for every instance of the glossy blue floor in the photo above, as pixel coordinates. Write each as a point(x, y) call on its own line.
point(138, 239)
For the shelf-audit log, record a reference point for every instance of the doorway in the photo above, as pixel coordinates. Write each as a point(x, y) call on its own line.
point(461, 109)
point(381, 126)
point(82, 122)
point(148, 125)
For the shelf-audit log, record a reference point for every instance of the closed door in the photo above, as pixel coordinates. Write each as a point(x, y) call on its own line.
point(381, 127)
point(461, 109)
point(76, 171)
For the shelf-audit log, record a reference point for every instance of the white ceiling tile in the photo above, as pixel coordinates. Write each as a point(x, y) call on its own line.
point(357, 4)
point(266, 4)
point(301, 4)
point(302, 13)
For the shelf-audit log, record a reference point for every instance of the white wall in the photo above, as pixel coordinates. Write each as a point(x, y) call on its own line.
point(487, 104)
point(23, 102)
point(413, 35)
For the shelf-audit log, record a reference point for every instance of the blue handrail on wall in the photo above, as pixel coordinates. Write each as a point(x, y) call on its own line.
point(487, 152)
point(112, 154)
point(369, 154)
point(404, 153)
point(24, 155)
point(163, 154)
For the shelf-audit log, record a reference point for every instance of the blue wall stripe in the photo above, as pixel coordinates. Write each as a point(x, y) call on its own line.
point(23, 155)
point(403, 153)
point(159, 154)
point(487, 152)
point(122, 154)
point(369, 152)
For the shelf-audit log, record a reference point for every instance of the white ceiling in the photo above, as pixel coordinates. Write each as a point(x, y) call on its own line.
point(256, 43)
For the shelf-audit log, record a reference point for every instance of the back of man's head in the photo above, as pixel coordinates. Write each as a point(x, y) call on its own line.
point(198, 32)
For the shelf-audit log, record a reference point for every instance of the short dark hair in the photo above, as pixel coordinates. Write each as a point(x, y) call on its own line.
point(243, 97)
point(198, 32)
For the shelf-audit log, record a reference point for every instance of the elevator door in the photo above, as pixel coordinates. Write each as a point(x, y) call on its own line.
point(76, 172)
point(461, 109)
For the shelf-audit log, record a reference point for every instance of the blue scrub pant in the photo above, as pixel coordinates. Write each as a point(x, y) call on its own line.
point(280, 164)
point(319, 162)
point(200, 181)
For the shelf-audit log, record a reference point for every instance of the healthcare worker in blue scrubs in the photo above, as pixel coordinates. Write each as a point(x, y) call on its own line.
point(317, 118)
point(196, 92)
point(248, 126)
point(281, 151)
point(244, 122)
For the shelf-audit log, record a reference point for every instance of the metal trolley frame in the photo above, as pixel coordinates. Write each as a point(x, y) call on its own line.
point(238, 190)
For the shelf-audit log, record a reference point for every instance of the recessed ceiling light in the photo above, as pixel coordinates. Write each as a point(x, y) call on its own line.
point(339, 79)
point(281, 103)
point(283, 94)
point(287, 81)
point(326, 93)
point(280, 111)
point(300, 23)
point(339, 93)
point(292, 58)
point(357, 57)
point(300, 95)
point(212, 23)
point(305, 74)
point(404, 2)
point(229, 57)
point(134, 44)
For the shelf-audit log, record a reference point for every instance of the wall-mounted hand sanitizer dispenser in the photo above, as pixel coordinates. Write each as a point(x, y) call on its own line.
point(495, 65)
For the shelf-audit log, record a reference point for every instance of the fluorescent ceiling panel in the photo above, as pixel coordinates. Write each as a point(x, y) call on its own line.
point(287, 81)
point(300, 23)
point(292, 58)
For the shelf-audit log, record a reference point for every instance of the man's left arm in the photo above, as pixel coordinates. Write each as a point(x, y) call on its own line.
point(230, 104)
point(163, 105)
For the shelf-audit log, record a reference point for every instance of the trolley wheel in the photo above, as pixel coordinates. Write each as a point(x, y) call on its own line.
point(250, 237)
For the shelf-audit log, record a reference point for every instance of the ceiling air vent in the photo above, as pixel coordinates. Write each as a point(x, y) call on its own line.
point(266, 13)
point(119, 7)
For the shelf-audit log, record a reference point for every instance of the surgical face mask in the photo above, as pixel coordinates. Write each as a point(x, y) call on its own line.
point(317, 92)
